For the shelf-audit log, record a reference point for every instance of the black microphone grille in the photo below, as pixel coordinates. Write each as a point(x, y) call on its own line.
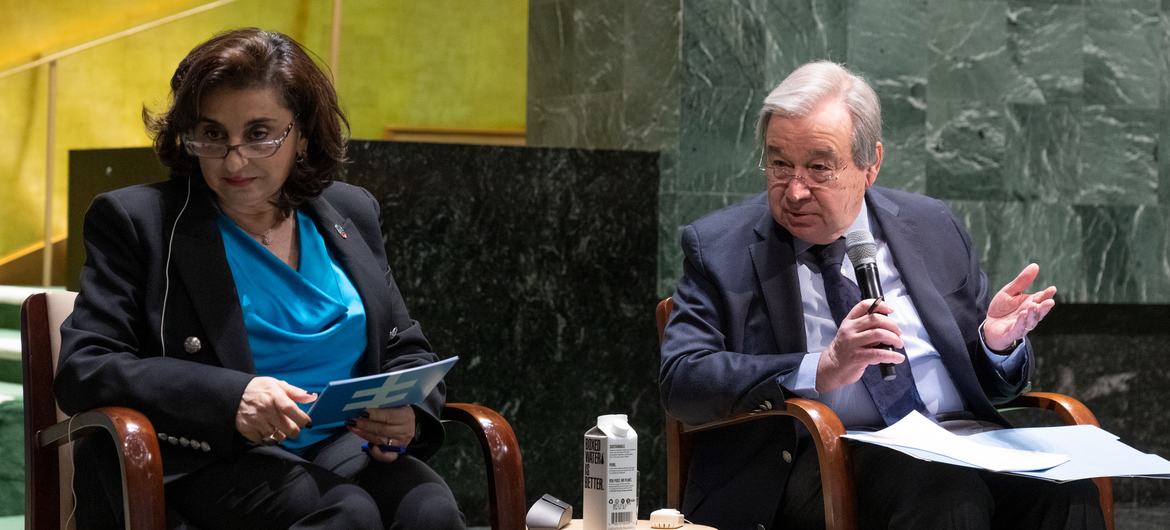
point(861, 248)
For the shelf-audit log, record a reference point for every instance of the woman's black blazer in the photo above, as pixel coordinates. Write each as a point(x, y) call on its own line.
point(169, 340)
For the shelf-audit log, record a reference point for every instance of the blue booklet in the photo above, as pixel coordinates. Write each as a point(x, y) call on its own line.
point(347, 398)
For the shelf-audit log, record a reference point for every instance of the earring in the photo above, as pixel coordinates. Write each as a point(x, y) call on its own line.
point(300, 158)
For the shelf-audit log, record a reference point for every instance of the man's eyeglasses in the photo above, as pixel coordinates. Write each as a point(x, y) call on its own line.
point(261, 149)
point(817, 175)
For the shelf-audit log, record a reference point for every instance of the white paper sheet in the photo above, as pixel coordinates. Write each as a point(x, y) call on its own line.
point(1088, 451)
point(915, 431)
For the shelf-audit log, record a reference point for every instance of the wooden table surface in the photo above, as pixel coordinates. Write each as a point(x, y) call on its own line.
point(576, 524)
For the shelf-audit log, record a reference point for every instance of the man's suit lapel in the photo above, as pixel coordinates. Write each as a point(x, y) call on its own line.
point(775, 265)
point(352, 253)
point(200, 261)
point(908, 244)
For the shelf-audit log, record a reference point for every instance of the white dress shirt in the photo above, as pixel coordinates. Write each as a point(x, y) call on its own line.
point(852, 402)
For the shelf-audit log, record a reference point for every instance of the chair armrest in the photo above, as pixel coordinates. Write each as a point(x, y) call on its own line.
point(832, 456)
point(138, 456)
point(501, 454)
point(1069, 409)
point(1072, 412)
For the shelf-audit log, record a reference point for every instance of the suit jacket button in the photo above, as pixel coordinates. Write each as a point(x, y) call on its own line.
point(192, 344)
point(786, 456)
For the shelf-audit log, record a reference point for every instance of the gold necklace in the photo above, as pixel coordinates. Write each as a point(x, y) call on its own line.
point(266, 237)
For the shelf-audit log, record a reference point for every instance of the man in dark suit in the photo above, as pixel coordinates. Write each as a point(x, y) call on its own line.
point(764, 311)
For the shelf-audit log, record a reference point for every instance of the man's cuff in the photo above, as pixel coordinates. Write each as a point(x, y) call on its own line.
point(803, 380)
point(1006, 364)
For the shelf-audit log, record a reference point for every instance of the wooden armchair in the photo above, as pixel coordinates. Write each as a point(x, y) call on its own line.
point(832, 452)
point(49, 433)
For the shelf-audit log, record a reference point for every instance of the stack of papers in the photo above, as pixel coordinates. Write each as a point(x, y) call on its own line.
point(1058, 454)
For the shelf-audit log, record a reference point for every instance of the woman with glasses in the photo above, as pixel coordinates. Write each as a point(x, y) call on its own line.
point(220, 302)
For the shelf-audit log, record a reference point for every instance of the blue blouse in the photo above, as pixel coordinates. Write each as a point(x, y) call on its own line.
point(307, 326)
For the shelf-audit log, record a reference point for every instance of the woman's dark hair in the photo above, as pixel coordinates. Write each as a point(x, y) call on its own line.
point(254, 58)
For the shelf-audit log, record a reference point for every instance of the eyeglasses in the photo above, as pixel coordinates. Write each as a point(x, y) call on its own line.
point(818, 175)
point(261, 149)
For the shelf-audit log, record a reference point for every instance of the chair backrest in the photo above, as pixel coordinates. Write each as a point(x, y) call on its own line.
point(49, 470)
point(678, 443)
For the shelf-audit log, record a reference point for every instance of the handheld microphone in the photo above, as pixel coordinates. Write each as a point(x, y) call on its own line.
point(862, 251)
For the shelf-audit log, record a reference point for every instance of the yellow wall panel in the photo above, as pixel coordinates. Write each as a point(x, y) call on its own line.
point(437, 63)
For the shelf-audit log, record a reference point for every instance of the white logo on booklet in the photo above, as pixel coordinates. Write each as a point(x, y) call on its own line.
point(390, 392)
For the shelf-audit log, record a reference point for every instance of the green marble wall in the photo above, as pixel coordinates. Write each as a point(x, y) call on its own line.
point(1039, 121)
point(603, 73)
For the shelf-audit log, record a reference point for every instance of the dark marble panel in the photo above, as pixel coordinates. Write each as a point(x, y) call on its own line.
point(723, 43)
point(797, 32)
point(1123, 53)
point(718, 149)
point(1045, 41)
point(1114, 358)
point(537, 268)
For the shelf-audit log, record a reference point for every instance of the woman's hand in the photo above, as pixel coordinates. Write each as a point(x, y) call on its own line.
point(269, 413)
point(393, 427)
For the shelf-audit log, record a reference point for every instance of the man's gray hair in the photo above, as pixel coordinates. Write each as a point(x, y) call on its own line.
point(815, 82)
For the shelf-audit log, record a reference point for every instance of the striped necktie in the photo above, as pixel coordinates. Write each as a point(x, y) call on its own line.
point(894, 399)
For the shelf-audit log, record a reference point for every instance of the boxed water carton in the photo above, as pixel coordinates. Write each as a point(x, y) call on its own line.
point(611, 474)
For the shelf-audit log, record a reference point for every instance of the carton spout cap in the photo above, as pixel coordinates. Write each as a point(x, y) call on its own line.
point(615, 424)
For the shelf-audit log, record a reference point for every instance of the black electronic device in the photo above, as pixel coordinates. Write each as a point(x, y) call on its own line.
point(862, 251)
